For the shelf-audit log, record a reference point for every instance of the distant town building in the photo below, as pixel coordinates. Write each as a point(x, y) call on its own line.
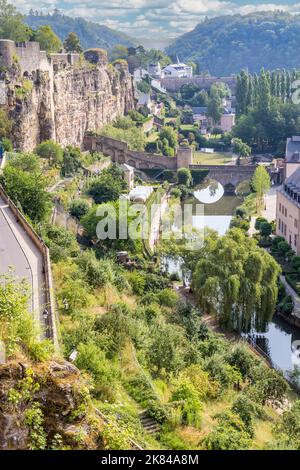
point(178, 70)
point(155, 70)
point(128, 172)
point(288, 211)
point(292, 155)
point(200, 116)
point(288, 196)
point(140, 194)
point(227, 119)
point(139, 74)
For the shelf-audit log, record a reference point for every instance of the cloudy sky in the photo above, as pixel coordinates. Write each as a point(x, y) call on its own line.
point(146, 18)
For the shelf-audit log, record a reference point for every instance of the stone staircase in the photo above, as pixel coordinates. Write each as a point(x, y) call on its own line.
point(149, 424)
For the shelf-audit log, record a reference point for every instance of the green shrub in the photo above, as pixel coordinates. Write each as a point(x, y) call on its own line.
point(141, 389)
point(79, 208)
point(229, 434)
point(137, 282)
point(168, 298)
point(157, 411)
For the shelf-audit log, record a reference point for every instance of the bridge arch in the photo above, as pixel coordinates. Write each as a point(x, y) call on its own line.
point(229, 176)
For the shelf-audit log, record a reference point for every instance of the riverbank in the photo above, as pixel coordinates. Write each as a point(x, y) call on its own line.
point(212, 323)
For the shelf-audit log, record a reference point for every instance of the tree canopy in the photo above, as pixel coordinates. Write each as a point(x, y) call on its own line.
point(236, 280)
point(226, 44)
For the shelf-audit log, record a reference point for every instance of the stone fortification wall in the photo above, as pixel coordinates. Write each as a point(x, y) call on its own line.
point(174, 84)
point(120, 153)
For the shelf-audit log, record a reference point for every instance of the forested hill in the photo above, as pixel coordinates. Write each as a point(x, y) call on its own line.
point(90, 34)
point(227, 44)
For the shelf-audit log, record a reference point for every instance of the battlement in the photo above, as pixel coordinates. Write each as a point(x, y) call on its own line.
point(30, 58)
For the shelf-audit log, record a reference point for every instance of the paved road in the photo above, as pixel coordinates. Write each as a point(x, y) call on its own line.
point(19, 252)
point(269, 212)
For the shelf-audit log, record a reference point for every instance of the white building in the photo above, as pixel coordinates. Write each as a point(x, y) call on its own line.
point(178, 70)
point(155, 70)
point(128, 172)
point(140, 194)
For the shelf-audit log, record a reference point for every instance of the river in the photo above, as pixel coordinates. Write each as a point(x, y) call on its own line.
point(218, 208)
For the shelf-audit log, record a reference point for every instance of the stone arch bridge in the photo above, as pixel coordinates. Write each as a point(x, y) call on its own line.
point(230, 176)
point(120, 153)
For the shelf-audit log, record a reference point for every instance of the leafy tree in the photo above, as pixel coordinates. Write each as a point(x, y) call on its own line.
point(62, 243)
point(200, 98)
point(7, 144)
point(18, 329)
point(241, 287)
point(119, 52)
point(215, 102)
point(72, 43)
point(184, 176)
point(241, 358)
point(133, 135)
point(108, 186)
point(188, 91)
point(261, 182)
point(11, 23)
point(28, 162)
point(168, 133)
point(187, 116)
point(51, 151)
point(71, 160)
point(144, 87)
point(258, 222)
point(79, 208)
point(240, 148)
point(47, 39)
point(92, 359)
point(268, 385)
point(288, 430)
point(28, 190)
point(166, 350)
point(265, 229)
point(229, 434)
point(97, 273)
point(188, 402)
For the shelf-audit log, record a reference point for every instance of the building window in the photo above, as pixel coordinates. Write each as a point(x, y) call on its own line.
point(279, 224)
point(284, 229)
point(280, 207)
point(285, 211)
point(295, 240)
point(296, 223)
point(290, 239)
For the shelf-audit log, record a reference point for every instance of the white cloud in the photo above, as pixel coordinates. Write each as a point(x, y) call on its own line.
point(144, 17)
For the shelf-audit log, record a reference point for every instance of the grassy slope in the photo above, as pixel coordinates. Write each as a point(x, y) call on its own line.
point(215, 158)
point(186, 436)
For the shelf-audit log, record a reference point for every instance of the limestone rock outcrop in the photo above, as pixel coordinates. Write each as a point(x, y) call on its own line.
point(57, 391)
point(61, 96)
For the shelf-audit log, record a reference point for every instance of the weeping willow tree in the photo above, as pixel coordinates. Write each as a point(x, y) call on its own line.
point(237, 281)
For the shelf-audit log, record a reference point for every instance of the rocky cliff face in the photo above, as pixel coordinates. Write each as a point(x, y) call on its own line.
point(46, 405)
point(64, 104)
